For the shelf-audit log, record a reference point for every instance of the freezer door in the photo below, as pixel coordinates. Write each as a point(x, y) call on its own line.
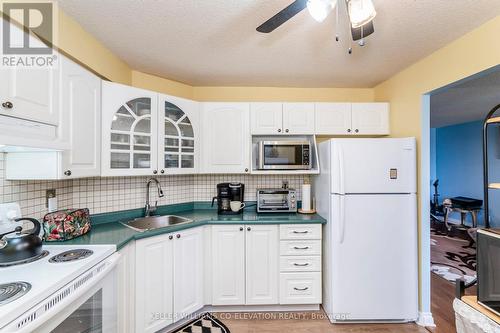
point(373, 166)
point(373, 262)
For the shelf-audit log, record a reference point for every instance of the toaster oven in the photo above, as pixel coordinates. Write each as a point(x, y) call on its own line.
point(276, 200)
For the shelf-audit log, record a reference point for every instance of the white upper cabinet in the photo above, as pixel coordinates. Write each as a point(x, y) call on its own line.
point(27, 92)
point(266, 118)
point(298, 118)
point(129, 130)
point(333, 118)
point(282, 118)
point(81, 121)
point(352, 119)
point(226, 137)
point(178, 135)
point(79, 131)
point(370, 118)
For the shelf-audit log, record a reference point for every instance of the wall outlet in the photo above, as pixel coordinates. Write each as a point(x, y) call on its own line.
point(49, 194)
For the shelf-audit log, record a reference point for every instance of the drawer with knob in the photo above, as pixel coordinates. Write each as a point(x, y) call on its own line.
point(300, 231)
point(300, 263)
point(300, 288)
point(300, 247)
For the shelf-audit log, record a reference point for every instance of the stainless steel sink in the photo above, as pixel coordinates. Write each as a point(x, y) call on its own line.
point(155, 222)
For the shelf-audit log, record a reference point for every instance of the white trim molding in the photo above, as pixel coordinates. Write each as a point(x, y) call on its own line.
point(425, 319)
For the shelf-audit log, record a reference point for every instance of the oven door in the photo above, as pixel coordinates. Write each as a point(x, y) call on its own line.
point(283, 155)
point(90, 305)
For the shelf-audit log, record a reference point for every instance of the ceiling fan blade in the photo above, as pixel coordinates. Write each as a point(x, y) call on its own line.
point(357, 34)
point(274, 22)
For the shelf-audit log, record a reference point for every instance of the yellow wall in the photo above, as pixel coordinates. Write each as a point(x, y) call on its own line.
point(234, 94)
point(468, 55)
point(283, 94)
point(474, 52)
point(86, 49)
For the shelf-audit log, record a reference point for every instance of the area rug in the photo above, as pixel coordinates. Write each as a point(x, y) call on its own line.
point(452, 257)
point(206, 323)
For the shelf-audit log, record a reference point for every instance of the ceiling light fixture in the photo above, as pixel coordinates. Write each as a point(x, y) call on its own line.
point(319, 9)
point(360, 12)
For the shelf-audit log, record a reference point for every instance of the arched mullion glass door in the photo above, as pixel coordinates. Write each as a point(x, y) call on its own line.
point(179, 139)
point(131, 135)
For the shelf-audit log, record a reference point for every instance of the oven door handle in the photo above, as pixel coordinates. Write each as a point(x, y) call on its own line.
point(78, 288)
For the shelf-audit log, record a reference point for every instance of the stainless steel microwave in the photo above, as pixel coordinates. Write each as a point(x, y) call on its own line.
point(284, 155)
point(488, 268)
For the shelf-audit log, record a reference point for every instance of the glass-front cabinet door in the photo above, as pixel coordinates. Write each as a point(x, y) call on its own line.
point(129, 131)
point(178, 135)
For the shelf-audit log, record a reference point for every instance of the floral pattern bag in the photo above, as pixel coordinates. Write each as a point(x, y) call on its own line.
point(66, 224)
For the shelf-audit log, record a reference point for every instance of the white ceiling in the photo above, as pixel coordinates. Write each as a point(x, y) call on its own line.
point(214, 42)
point(467, 101)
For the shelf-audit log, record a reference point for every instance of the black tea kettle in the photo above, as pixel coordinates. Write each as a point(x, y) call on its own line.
point(22, 245)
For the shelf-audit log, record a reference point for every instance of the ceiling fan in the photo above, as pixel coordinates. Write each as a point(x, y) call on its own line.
point(360, 13)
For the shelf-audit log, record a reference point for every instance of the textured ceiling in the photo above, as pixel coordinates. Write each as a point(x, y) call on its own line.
point(214, 42)
point(467, 101)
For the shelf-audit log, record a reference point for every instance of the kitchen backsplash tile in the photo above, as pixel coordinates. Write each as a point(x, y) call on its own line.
point(102, 195)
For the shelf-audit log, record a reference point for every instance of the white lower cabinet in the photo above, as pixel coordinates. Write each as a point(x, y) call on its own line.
point(300, 288)
point(228, 265)
point(188, 272)
point(169, 278)
point(300, 264)
point(126, 286)
point(245, 264)
point(262, 267)
point(154, 283)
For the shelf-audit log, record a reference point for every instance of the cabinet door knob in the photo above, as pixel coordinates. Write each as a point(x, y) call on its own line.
point(356, 130)
point(246, 169)
point(170, 237)
point(248, 229)
point(241, 228)
point(67, 173)
point(162, 171)
point(178, 235)
point(287, 130)
point(7, 105)
point(155, 171)
point(279, 130)
point(348, 130)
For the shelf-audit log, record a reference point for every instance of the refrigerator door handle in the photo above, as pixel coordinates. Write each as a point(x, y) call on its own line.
point(341, 169)
point(342, 219)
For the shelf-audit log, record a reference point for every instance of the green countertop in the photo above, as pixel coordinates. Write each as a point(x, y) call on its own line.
point(106, 228)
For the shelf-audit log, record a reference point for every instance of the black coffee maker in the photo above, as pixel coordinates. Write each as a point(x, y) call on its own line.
point(227, 192)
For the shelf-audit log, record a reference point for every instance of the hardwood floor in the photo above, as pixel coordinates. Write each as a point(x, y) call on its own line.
point(307, 322)
point(442, 295)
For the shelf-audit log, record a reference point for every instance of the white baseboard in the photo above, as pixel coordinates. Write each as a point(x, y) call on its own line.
point(425, 319)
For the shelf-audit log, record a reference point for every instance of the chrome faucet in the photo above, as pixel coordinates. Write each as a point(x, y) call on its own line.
point(148, 210)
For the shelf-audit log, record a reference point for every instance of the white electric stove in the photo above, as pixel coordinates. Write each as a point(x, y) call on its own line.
point(67, 289)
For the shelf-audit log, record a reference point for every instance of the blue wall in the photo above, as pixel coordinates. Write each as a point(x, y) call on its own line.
point(458, 164)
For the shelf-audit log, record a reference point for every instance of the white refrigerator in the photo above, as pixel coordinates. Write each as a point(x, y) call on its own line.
point(367, 191)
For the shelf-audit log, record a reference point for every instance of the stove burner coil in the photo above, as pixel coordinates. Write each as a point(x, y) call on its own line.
point(9, 292)
point(71, 255)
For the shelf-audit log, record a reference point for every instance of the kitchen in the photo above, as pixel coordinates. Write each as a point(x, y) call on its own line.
point(151, 180)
